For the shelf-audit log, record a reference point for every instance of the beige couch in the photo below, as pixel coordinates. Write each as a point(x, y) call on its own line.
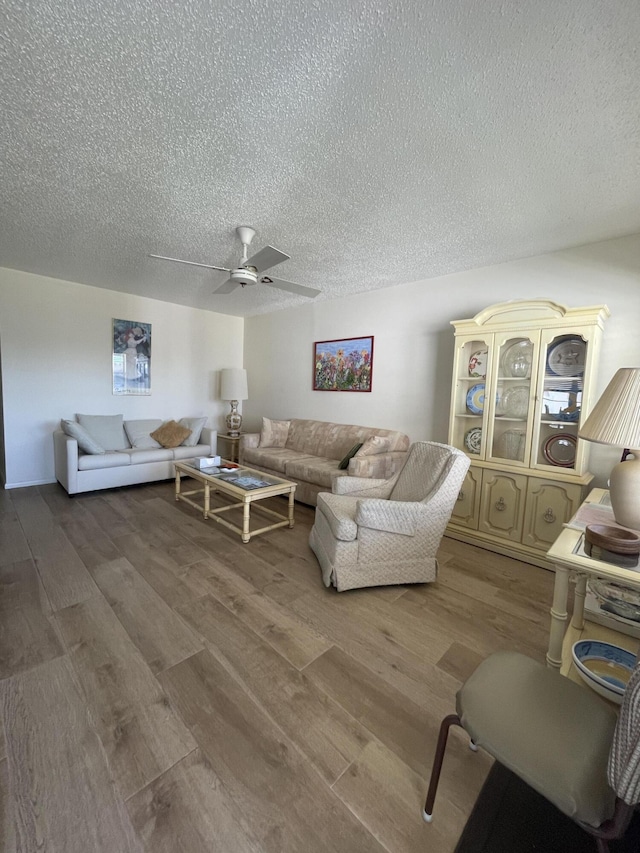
point(309, 453)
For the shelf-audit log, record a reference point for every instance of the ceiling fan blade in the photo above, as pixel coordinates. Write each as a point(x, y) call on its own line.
point(290, 286)
point(227, 286)
point(266, 258)
point(191, 263)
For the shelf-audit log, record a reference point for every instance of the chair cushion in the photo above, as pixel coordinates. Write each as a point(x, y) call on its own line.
point(195, 425)
point(107, 430)
point(91, 462)
point(553, 733)
point(340, 513)
point(140, 455)
point(182, 452)
point(170, 434)
point(139, 432)
point(85, 441)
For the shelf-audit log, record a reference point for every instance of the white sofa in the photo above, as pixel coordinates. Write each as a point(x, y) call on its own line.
point(125, 464)
point(310, 453)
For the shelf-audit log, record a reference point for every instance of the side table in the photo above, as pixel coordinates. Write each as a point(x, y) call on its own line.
point(567, 555)
point(233, 442)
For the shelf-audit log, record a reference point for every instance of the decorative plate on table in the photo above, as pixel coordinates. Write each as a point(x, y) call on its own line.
point(560, 450)
point(516, 359)
point(473, 439)
point(515, 402)
point(478, 364)
point(566, 358)
point(475, 399)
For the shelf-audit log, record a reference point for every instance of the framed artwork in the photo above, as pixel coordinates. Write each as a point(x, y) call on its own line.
point(131, 357)
point(343, 365)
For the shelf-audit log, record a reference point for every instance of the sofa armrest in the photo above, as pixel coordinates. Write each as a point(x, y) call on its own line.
point(210, 437)
point(247, 439)
point(65, 453)
point(382, 465)
point(250, 439)
point(391, 516)
point(361, 486)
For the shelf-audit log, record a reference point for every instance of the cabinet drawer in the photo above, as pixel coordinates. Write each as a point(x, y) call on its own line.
point(549, 506)
point(467, 508)
point(503, 504)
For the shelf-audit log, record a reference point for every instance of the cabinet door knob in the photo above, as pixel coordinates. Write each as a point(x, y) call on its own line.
point(460, 495)
point(500, 505)
point(549, 515)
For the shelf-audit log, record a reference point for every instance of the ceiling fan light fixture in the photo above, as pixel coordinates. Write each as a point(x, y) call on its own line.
point(243, 276)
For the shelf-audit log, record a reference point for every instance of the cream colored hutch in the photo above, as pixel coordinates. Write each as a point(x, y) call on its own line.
point(523, 380)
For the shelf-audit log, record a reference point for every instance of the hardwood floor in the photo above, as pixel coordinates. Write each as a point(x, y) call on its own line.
point(166, 688)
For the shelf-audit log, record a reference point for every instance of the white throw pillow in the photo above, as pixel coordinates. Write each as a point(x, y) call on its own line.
point(274, 433)
point(195, 425)
point(85, 441)
point(138, 432)
point(107, 430)
point(375, 444)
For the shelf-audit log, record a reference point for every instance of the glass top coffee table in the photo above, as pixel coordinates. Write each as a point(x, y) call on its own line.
point(243, 486)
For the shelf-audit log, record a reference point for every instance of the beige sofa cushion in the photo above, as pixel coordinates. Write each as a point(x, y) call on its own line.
point(312, 469)
point(274, 458)
point(334, 441)
point(274, 433)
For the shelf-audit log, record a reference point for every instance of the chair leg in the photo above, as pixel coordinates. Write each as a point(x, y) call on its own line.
point(451, 720)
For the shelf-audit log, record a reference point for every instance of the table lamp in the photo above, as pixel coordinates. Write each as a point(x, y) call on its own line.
point(233, 387)
point(615, 420)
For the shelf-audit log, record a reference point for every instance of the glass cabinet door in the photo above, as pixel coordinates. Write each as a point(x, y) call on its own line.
point(471, 371)
point(556, 439)
point(515, 384)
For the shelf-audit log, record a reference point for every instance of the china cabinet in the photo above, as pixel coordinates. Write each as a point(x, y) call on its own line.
point(523, 380)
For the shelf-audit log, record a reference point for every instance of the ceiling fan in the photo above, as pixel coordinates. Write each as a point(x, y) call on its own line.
point(249, 270)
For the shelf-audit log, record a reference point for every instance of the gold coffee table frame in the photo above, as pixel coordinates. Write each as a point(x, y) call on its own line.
point(243, 498)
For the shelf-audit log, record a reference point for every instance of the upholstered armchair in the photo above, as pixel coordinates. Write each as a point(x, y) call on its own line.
point(376, 532)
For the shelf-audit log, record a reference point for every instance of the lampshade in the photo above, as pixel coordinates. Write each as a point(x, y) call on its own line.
point(233, 384)
point(615, 420)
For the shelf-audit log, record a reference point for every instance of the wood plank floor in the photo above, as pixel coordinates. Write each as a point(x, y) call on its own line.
point(164, 687)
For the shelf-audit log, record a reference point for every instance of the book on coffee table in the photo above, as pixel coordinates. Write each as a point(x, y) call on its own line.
point(244, 481)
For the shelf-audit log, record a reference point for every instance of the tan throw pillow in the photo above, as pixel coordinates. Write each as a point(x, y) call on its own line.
point(373, 445)
point(274, 433)
point(170, 434)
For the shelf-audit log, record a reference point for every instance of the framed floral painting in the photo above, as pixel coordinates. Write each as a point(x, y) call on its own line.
point(343, 365)
point(131, 357)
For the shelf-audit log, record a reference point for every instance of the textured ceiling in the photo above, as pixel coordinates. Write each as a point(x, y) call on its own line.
point(375, 142)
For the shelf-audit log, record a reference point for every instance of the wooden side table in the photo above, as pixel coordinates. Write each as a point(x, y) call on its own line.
point(570, 562)
point(233, 442)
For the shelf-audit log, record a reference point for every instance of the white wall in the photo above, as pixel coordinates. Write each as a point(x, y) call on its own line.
point(413, 347)
point(55, 343)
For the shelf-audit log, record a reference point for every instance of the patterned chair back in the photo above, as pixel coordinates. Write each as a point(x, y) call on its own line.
point(427, 466)
point(624, 758)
